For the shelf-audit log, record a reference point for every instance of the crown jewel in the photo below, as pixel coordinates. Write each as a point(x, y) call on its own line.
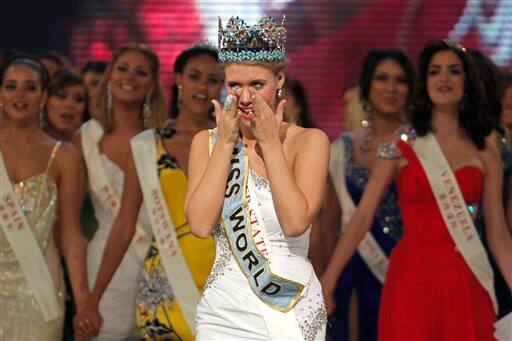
point(265, 41)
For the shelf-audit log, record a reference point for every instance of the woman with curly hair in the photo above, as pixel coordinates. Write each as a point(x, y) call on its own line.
point(439, 283)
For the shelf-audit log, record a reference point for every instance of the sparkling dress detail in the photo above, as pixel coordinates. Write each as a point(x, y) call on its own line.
point(430, 292)
point(21, 318)
point(228, 309)
point(117, 305)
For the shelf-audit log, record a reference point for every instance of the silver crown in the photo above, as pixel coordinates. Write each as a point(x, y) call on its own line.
point(265, 41)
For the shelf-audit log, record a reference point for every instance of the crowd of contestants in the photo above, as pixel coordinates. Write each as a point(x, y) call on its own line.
point(109, 293)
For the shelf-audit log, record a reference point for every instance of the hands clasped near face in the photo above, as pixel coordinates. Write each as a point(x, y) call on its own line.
point(255, 114)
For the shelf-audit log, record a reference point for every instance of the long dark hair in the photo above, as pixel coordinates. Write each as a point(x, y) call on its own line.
point(472, 118)
point(373, 59)
point(180, 63)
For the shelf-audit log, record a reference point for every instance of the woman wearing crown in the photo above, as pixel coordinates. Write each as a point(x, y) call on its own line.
point(261, 180)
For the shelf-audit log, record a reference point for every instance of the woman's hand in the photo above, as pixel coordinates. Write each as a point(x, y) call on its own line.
point(227, 119)
point(328, 286)
point(87, 321)
point(265, 123)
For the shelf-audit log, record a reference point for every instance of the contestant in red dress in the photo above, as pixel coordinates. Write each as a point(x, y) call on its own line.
point(431, 291)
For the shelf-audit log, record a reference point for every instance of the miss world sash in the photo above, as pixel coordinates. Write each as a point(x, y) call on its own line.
point(277, 292)
point(28, 253)
point(368, 248)
point(454, 211)
point(175, 265)
point(92, 132)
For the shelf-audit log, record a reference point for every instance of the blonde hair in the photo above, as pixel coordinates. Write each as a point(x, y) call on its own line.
point(159, 108)
point(275, 67)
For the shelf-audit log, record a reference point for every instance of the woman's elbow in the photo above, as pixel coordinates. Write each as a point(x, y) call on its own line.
point(199, 232)
point(296, 229)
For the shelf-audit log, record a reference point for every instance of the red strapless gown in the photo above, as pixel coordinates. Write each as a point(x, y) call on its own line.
point(430, 293)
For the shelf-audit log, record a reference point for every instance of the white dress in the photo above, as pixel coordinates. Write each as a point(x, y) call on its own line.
point(228, 309)
point(117, 305)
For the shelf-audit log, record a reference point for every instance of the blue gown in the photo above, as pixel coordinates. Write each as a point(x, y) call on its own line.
point(386, 229)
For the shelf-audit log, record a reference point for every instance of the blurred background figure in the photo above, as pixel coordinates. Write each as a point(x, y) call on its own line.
point(385, 87)
point(130, 99)
point(296, 102)
point(92, 72)
point(352, 112)
point(53, 61)
point(66, 105)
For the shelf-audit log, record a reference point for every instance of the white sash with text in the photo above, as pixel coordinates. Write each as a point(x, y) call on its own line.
point(28, 253)
point(454, 210)
point(92, 132)
point(368, 248)
point(178, 274)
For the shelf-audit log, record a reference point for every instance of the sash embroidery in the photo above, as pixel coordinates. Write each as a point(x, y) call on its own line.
point(369, 249)
point(91, 134)
point(247, 245)
point(454, 211)
point(28, 253)
point(173, 261)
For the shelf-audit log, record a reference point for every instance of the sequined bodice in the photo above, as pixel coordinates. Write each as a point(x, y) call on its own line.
point(387, 227)
point(37, 197)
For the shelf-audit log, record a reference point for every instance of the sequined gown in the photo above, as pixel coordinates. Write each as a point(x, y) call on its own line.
point(386, 229)
point(117, 305)
point(228, 310)
point(20, 316)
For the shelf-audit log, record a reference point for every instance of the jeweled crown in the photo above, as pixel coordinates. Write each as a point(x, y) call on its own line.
point(265, 41)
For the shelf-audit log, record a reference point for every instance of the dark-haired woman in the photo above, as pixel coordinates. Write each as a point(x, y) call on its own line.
point(439, 284)
point(386, 81)
point(92, 72)
point(175, 275)
point(40, 176)
point(67, 99)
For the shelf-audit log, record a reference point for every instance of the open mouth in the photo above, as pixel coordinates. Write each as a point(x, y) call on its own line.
point(246, 113)
point(20, 105)
point(444, 88)
point(201, 97)
point(67, 118)
point(127, 87)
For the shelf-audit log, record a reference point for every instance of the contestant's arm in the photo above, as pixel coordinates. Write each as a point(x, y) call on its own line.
point(207, 178)
point(498, 235)
point(71, 190)
point(509, 207)
point(325, 229)
point(122, 231)
point(381, 176)
point(297, 198)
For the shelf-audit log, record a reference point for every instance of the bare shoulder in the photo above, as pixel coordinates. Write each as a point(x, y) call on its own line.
point(307, 137)
point(490, 156)
point(67, 155)
point(201, 138)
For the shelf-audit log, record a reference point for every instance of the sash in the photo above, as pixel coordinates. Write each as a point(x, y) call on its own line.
point(249, 244)
point(28, 253)
point(454, 210)
point(178, 273)
point(368, 248)
point(92, 132)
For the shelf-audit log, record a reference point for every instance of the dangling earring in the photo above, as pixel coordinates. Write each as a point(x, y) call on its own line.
point(109, 98)
point(179, 97)
point(279, 94)
point(146, 110)
point(41, 117)
point(367, 128)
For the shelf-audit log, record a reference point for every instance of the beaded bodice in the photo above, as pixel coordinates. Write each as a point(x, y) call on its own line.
point(387, 227)
point(37, 197)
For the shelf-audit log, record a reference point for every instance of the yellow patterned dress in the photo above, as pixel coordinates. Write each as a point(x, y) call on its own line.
point(158, 314)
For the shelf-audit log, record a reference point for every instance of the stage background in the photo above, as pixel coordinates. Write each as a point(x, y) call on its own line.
point(326, 39)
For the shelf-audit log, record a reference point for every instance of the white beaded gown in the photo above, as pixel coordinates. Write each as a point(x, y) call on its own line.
point(117, 305)
point(20, 316)
point(228, 309)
